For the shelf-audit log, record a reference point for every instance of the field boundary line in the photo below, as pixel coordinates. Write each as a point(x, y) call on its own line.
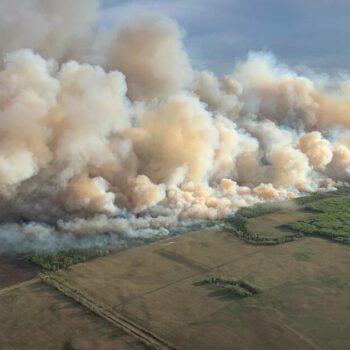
point(285, 322)
point(196, 274)
point(13, 287)
point(128, 326)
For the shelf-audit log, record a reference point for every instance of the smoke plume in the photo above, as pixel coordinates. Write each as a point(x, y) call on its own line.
point(144, 141)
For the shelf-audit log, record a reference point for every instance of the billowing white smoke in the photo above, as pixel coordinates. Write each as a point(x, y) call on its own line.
point(144, 142)
point(149, 52)
point(54, 28)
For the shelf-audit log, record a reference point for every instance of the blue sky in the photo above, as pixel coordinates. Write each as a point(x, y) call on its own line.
point(313, 33)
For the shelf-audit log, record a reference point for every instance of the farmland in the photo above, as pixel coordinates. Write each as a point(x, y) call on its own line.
point(302, 283)
point(260, 282)
point(36, 316)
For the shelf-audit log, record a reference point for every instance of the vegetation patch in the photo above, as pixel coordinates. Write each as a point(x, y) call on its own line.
point(238, 225)
point(331, 220)
point(317, 196)
point(313, 197)
point(54, 261)
point(332, 205)
point(260, 209)
point(235, 313)
point(68, 346)
point(328, 280)
point(236, 287)
point(326, 214)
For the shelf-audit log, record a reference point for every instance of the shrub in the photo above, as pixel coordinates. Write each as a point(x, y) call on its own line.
point(53, 261)
point(235, 286)
point(331, 219)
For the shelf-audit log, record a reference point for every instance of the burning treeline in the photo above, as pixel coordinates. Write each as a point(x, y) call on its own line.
point(138, 138)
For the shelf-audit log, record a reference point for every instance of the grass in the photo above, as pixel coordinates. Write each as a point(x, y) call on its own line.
point(234, 311)
point(39, 317)
point(329, 280)
point(260, 230)
point(302, 256)
point(138, 284)
point(68, 346)
point(304, 286)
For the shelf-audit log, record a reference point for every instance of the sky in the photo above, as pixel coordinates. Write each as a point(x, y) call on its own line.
point(312, 33)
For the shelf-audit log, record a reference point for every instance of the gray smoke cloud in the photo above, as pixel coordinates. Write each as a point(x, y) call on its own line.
point(144, 142)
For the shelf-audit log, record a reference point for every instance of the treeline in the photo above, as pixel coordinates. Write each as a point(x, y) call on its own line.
point(236, 287)
point(338, 204)
point(330, 230)
point(53, 261)
point(331, 219)
point(238, 225)
point(317, 196)
point(313, 197)
point(259, 209)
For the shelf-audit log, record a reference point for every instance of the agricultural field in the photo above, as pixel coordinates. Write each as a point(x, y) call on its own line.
point(36, 316)
point(14, 270)
point(259, 282)
point(303, 285)
point(271, 225)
